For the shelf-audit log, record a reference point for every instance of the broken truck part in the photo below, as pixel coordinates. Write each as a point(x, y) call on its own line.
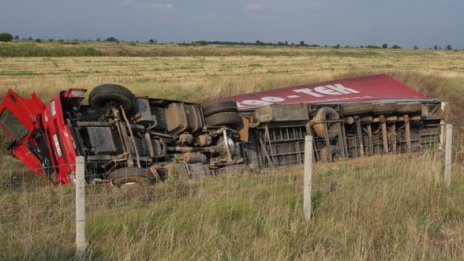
point(128, 139)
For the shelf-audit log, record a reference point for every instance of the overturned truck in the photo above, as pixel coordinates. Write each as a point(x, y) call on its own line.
point(138, 140)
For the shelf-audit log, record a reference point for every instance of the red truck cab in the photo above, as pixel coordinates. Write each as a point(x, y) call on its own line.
point(39, 135)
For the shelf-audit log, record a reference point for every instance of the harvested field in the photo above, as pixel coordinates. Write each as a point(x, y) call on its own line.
point(392, 207)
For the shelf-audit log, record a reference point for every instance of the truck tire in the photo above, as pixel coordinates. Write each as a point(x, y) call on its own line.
point(221, 106)
point(229, 119)
point(198, 170)
point(131, 175)
point(114, 94)
point(326, 114)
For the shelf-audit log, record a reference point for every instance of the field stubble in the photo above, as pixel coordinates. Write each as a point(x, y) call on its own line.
point(201, 77)
point(375, 208)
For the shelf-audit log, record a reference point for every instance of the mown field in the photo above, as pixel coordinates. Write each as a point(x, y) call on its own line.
point(374, 208)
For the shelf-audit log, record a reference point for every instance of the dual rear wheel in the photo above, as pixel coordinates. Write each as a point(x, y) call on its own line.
point(222, 113)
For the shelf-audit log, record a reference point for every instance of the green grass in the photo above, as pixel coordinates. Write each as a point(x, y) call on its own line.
point(45, 50)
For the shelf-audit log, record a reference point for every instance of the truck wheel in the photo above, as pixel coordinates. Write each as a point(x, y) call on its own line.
point(221, 106)
point(326, 114)
point(106, 95)
point(230, 119)
point(131, 176)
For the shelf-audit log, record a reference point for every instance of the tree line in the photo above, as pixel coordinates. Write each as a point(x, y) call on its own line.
point(8, 37)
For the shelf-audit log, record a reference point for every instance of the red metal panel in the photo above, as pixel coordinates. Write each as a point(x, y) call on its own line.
point(29, 159)
point(368, 88)
point(26, 110)
point(60, 140)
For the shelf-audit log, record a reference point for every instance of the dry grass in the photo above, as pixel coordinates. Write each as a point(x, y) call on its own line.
point(381, 208)
point(199, 77)
point(374, 208)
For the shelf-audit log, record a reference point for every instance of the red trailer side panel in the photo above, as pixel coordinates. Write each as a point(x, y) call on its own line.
point(361, 89)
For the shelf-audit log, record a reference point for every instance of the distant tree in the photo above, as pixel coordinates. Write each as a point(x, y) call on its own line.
point(38, 40)
point(337, 46)
point(111, 39)
point(201, 42)
point(372, 46)
point(435, 47)
point(302, 43)
point(286, 42)
point(16, 37)
point(416, 47)
point(51, 40)
point(448, 47)
point(396, 46)
point(362, 46)
point(98, 39)
point(151, 41)
point(384, 46)
point(6, 37)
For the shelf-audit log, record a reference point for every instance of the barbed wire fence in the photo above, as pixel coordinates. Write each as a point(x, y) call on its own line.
point(38, 220)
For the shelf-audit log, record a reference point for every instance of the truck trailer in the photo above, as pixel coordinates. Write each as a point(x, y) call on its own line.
point(127, 139)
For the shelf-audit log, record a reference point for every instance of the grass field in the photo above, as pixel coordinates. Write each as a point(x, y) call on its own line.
point(180, 73)
point(374, 208)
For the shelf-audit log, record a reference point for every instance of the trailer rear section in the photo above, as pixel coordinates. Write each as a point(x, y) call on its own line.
point(341, 130)
point(349, 118)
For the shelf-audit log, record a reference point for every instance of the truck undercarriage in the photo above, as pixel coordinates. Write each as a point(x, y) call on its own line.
point(128, 139)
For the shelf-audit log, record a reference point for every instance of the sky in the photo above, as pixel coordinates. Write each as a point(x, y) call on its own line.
point(424, 23)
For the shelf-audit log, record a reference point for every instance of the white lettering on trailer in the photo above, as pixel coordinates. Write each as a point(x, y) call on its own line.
point(318, 92)
point(326, 90)
point(342, 89)
point(263, 101)
point(308, 91)
point(253, 103)
point(272, 99)
point(336, 89)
